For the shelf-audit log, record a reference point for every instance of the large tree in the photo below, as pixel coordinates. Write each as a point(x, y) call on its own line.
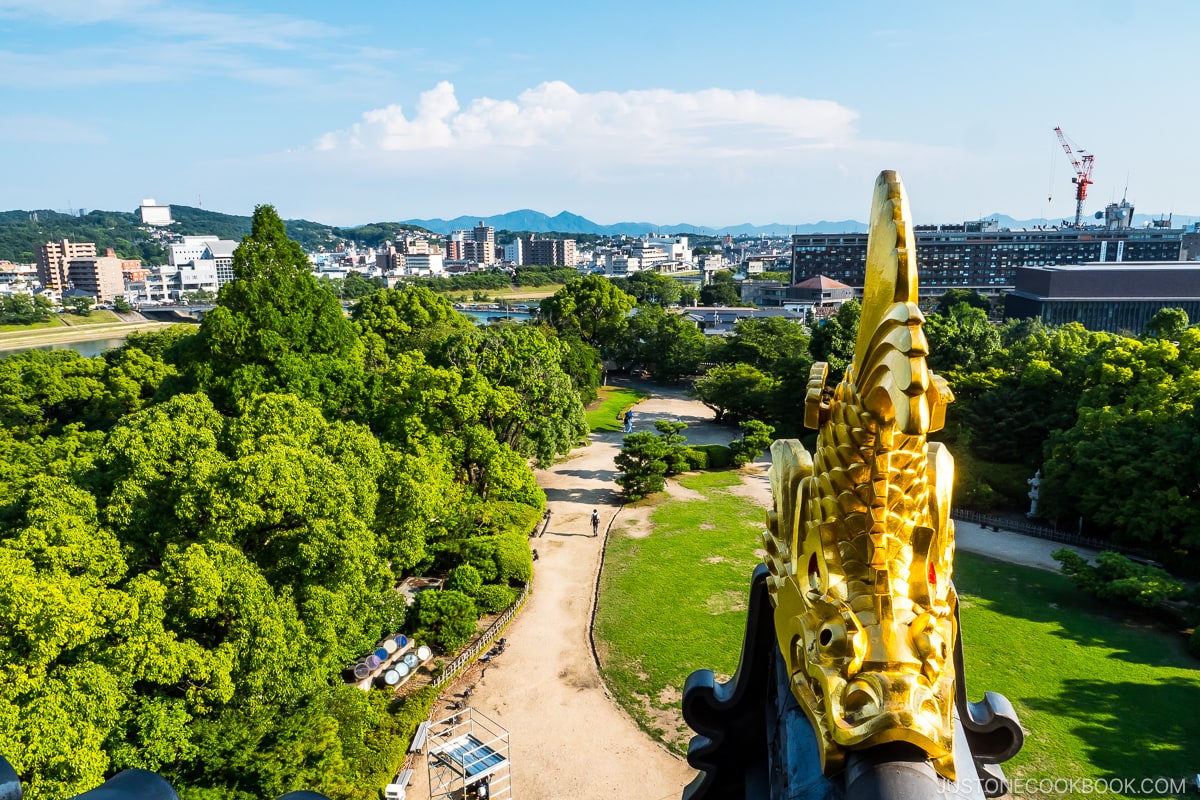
point(543, 416)
point(833, 339)
point(650, 287)
point(409, 318)
point(591, 308)
point(740, 391)
point(666, 343)
point(276, 329)
point(960, 339)
point(723, 291)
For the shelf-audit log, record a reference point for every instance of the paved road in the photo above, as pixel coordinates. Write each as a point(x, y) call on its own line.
point(1014, 548)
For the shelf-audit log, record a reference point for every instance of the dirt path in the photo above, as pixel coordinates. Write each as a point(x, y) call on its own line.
point(568, 738)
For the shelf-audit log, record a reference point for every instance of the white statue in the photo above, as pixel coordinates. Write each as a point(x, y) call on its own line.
point(1034, 483)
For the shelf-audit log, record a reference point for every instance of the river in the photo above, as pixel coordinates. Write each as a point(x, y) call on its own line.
point(87, 349)
point(94, 347)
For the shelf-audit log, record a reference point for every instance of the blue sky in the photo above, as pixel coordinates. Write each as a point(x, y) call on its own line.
point(699, 112)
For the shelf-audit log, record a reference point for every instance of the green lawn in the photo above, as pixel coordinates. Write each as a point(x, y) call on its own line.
point(53, 322)
point(675, 601)
point(97, 317)
point(612, 400)
point(1102, 694)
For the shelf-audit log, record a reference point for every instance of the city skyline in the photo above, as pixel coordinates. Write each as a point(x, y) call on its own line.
point(671, 113)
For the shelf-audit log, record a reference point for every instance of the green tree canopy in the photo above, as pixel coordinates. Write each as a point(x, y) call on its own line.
point(833, 339)
point(775, 345)
point(276, 329)
point(960, 339)
point(666, 343)
point(591, 308)
point(651, 288)
point(723, 291)
point(737, 390)
point(952, 297)
point(541, 415)
point(409, 318)
point(1168, 323)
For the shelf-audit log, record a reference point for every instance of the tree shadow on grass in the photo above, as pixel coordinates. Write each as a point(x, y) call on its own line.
point(1132, 730)
point(1047, 597)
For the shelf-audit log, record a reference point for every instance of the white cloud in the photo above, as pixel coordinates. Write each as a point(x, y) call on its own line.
point(632, 126)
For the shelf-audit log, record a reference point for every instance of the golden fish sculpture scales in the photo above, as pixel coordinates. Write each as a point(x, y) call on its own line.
point(860, 545)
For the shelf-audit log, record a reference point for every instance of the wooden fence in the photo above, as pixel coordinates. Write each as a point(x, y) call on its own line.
point(464, 658)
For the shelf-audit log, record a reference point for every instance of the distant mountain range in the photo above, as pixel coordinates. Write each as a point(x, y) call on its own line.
point(566, 222)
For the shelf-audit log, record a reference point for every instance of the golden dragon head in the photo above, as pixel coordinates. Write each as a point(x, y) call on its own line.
point(860, 543)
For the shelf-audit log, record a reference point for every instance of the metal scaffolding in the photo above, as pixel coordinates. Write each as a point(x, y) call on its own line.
point(468, 758)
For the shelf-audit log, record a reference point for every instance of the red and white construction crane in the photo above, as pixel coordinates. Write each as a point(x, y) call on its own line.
point(1083, 173)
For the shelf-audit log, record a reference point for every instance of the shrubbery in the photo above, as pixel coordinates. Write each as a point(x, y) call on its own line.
point(464, 578)
point(696, 458)
point(756, 438)
point(502, 558)
point(446, 618)
point(719, 455)
point(1115, 577)
point(492, 598)
point(1120, 580)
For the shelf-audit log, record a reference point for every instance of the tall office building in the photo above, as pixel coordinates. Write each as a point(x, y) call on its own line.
point(53, 259)
point(484, 236)
point(984, 257)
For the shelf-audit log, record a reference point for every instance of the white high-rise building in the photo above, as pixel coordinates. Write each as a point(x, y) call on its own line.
point(514, 253)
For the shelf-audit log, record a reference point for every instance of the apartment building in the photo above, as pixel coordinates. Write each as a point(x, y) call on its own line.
point(550, 252)
point(101, 277)
point(53, 259)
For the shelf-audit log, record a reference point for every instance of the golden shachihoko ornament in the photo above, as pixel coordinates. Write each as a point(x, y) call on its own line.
point(860, 545)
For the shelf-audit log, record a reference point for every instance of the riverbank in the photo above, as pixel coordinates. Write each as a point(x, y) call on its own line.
point(45, 337)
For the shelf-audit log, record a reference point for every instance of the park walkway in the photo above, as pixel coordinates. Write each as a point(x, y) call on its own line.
point(568, 737)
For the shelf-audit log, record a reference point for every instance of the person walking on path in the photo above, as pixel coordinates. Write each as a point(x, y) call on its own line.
point(595, 522)
point(629, 421)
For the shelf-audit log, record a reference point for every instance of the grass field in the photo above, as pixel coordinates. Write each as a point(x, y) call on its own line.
point(512, 293)
point(676, 601)
point(53, 322)
point(98, 317)
point(612, 400)
point(1102, 694)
